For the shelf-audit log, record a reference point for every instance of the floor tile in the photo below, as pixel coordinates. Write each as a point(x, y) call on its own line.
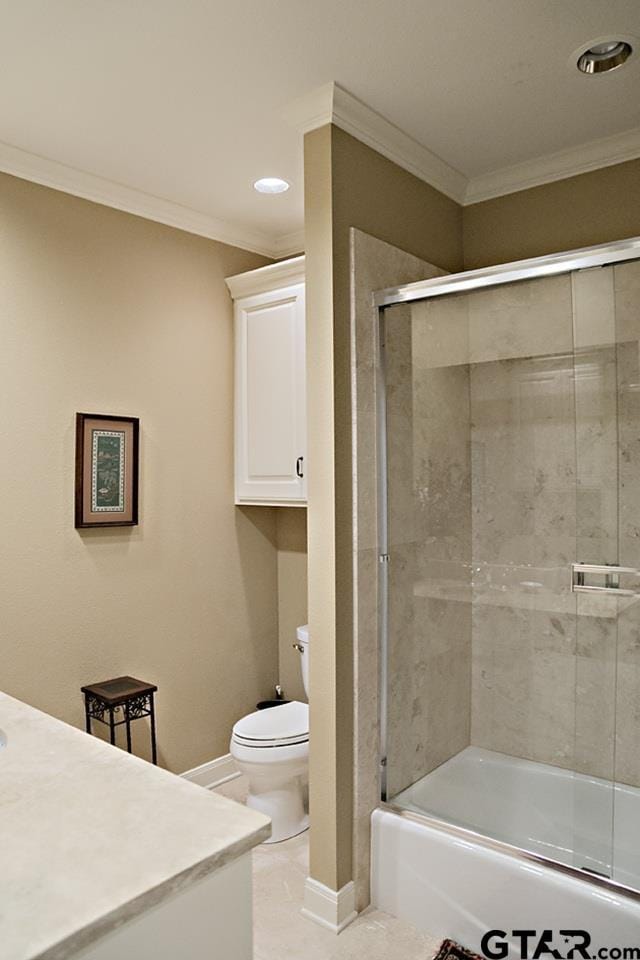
point(280, 930)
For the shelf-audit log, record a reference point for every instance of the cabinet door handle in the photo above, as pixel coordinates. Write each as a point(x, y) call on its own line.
point(299, 471)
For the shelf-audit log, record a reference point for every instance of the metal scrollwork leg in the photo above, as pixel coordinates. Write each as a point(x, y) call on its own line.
point(127, 720)
point(112, 727)
point(152, 712)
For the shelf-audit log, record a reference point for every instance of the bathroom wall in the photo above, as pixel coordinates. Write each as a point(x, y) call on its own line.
point(595, 207)
point(291, 539)
point(106, 312)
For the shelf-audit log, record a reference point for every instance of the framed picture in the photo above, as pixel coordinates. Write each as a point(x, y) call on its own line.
point(106, 470)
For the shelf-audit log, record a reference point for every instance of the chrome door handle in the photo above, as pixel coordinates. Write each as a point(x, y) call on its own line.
point(602, 568)
point(612, 591)
point(611, 573)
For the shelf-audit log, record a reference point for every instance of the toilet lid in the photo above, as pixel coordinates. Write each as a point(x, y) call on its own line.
point(288, 723)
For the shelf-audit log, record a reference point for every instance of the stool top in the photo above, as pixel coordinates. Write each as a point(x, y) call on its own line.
point(119, 689)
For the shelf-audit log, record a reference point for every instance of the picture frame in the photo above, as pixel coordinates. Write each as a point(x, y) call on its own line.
point(106, 479)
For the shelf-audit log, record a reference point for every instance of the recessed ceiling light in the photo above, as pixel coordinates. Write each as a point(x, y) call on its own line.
point(605, 56)
point(271, 185)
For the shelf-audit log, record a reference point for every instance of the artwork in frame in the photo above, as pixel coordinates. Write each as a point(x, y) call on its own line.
point(106, 470)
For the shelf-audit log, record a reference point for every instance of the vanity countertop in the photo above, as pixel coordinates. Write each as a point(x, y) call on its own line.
point(91, 836)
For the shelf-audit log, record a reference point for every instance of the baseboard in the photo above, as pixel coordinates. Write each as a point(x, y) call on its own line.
point(330, 908)
point(213, 773)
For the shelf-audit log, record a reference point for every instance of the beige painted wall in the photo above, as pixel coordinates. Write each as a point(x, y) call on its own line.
point(346, 184)
point(292, 595)
point(323, 782)
point(595, 207)
point(101, 311)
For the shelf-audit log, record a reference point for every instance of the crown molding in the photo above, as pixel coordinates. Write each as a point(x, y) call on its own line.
point(555, 166)
point(332, 104)
point(328, 104)
point(289, 245)
point(264, 279)
point(312, 110)
point(59, 176)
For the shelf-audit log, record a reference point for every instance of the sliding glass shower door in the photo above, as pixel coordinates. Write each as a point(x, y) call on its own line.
point(512, 640)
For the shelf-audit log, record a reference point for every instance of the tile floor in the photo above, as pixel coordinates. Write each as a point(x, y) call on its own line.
point(280, 931)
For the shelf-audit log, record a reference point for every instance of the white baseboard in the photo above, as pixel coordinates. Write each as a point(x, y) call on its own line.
point(213, 773)
point(330, 908)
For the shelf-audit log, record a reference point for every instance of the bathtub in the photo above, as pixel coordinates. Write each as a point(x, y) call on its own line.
point(430, 869)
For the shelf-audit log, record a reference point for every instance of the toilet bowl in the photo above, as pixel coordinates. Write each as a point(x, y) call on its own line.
point(271, 747)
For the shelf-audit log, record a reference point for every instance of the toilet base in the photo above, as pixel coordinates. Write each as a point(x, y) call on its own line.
point(284, 806)
point(303, 829)
point(278, 778)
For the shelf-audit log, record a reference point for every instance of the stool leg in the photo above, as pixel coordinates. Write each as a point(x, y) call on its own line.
point(112, 727)
point(128, 726)
point(87, 714)
point(152, 717)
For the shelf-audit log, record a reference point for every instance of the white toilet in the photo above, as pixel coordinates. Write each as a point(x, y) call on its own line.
point(272, 748)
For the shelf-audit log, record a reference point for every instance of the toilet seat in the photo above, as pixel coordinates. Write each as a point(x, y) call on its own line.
point(281, 726)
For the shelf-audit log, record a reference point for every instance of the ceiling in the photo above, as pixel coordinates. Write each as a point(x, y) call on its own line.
point(186, 100)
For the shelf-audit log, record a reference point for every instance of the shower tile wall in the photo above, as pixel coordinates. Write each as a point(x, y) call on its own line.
point(627, 303)
point(514, 450)
point(545, 493)
point(374, 264)
point(524, 530)
point(428, 430)
point(597, 517)
point(524, 520)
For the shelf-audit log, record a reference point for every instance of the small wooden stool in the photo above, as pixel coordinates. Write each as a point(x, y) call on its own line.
point(133, 697)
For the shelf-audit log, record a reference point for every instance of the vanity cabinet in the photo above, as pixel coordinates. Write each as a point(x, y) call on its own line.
point(270, 385)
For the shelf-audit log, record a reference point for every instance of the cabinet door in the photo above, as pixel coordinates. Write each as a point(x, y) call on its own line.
point(271, 397)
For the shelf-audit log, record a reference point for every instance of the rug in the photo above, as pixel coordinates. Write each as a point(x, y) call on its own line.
point(450, 950)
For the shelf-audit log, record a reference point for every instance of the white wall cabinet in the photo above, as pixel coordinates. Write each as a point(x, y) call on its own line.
point(270, 385)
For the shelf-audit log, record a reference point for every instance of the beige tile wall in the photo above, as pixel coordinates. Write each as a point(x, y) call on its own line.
point(524, 537)
point(511, 452)
point(429, 496)
point(627, 312)
point(374, 265)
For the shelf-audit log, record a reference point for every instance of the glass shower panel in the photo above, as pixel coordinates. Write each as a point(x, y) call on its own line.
point(499, 433)
point(429, 540)
point(595, 374)
point(626, 854)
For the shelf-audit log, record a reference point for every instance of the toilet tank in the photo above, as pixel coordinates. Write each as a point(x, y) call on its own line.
point(302, 636)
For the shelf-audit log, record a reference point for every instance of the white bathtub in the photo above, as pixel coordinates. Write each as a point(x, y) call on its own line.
point(450, 885)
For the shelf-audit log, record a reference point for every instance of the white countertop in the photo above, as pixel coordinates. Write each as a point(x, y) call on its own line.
point(90, 836)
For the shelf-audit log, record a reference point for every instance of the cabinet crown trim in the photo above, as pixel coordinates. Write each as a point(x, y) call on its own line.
point(268, 278)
